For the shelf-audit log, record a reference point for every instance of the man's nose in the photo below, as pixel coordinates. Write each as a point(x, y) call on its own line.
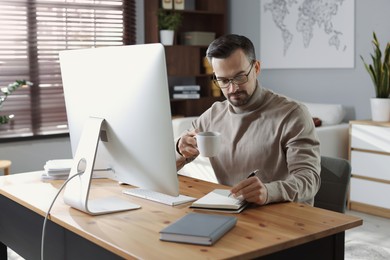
point(232, 86)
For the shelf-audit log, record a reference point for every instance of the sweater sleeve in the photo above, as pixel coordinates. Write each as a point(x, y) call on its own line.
point(301, 145)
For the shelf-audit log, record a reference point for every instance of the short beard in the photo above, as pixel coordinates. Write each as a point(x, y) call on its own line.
point(243, 100)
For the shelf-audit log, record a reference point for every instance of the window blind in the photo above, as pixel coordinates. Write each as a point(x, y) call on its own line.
point(32, 32)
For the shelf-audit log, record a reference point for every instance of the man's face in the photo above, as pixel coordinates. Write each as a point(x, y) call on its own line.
point(237, 64)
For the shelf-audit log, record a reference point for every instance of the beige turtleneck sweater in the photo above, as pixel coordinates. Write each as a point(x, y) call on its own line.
point(271, 133)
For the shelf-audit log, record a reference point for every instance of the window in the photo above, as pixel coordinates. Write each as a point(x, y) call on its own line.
point(32, 32)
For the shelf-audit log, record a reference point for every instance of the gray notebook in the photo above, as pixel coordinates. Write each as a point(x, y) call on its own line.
point(198, 228)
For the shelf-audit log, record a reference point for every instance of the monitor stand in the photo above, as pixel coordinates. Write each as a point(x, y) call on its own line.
point(77, 190)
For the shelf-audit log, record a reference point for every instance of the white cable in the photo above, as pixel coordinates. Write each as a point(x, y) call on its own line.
point(48, 211)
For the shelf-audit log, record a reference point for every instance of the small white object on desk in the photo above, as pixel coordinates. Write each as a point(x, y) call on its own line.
point(57, 169)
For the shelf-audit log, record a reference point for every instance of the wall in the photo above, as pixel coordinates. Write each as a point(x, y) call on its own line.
point(31, 155)
point(140, 34)
point(350, 87)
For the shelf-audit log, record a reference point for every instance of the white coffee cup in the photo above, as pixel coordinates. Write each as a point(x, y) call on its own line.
point(209, 143)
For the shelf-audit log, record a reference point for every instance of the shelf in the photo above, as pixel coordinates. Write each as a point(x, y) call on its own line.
point(192, 107)
point(197, 12)
point(187, 60)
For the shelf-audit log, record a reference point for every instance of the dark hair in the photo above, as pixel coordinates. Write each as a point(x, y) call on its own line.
point(224, 46)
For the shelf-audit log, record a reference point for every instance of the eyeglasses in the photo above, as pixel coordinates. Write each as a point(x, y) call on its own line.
point(237, 80)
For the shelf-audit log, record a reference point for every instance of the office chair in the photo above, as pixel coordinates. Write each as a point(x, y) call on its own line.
point(335, 176)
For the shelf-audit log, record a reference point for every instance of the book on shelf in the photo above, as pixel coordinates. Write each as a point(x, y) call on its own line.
point(198, 228)
point(186, 95)
point(220, 200)
point(186, 88)
point(186, 92)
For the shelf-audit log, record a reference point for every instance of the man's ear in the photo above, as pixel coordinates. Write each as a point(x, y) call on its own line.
point(257, 67)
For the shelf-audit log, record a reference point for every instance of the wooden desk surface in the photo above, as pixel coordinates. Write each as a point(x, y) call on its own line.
point(259, 230)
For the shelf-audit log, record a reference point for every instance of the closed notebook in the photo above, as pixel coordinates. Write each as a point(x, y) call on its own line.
point(198, 228)
point(219, 200)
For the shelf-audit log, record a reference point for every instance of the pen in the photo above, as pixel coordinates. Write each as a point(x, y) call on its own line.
point(250, 175)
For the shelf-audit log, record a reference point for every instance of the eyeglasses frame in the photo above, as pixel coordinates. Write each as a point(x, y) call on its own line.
point(231, 80)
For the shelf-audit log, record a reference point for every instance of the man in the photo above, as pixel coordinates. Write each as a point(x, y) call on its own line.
point(260, 130)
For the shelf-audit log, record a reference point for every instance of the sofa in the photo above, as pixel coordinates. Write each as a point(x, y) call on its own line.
point(332, 133)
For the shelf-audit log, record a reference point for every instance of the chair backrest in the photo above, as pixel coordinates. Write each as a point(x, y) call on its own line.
point(335, 176)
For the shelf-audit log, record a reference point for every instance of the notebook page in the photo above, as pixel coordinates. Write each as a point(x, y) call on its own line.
point(218, 198)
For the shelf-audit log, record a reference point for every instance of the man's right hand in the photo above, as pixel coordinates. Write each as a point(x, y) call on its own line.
point(187, 145)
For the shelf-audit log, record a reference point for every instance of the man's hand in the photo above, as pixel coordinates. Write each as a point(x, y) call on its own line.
point(187, 145)
point(252, 190)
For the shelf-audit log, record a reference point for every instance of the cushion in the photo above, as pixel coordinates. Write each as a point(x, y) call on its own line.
point(317, 121)
point(329, 114)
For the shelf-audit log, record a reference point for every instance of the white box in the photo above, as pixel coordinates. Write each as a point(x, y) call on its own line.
point(198, 38)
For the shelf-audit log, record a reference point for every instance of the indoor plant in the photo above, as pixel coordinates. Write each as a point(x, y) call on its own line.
point(168, 23)
point(5, 92)
point(379, 71)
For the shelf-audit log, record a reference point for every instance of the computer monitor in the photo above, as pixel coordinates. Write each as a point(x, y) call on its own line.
point(118, 109)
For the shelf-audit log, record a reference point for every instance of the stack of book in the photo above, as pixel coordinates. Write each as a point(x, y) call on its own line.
point(186, 92)
point(57, 169)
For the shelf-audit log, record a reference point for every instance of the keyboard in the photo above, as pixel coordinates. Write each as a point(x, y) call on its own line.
point(158, 197)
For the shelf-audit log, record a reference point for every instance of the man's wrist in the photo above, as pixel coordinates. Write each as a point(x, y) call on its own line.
point(187, 160)
point(177, 147)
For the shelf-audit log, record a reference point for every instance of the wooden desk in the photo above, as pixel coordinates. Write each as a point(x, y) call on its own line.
point(274, 231)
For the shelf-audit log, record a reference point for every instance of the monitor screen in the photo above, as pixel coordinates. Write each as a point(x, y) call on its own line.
point(126, 88)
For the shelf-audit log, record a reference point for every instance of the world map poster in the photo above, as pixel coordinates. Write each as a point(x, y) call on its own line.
point(307, 34)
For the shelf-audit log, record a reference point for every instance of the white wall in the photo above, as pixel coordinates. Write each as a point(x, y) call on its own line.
point(350, 87)
point(31, 155)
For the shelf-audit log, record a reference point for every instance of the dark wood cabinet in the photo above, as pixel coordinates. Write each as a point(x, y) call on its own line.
point(186, 61)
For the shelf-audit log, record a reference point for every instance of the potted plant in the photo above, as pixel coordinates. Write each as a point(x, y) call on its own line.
point(168, 23)
point(379, 71)
point(5, 92)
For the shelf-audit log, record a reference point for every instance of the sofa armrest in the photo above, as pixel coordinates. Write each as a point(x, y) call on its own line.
point(181, 124)
point(329, 114)
point(334, 140)
point(200, 168)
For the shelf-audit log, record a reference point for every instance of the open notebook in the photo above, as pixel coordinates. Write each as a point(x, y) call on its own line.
point(219, 200)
